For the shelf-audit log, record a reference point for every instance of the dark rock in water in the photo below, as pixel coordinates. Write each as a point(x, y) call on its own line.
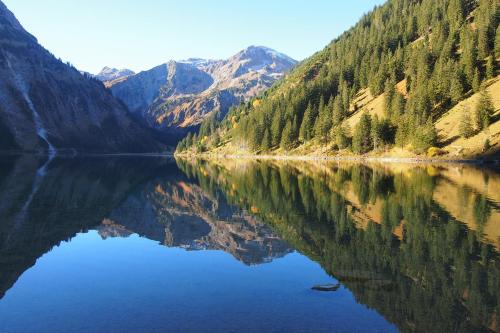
point(326, 287)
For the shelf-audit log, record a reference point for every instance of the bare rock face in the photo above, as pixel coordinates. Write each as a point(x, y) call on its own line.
point(48, 105)
point(178, 95)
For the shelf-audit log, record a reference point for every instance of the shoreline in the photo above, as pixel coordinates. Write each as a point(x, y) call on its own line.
point(380, 159)
point(415, 160)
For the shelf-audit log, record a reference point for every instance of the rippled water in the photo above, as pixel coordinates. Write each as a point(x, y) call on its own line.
point(146, 244)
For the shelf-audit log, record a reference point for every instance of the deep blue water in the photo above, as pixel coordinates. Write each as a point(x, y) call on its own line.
point(134, 284)
point(136, 244)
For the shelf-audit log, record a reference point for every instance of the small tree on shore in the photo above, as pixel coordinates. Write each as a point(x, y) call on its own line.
point(362, 139)
point(425, 137)
point(341, 136)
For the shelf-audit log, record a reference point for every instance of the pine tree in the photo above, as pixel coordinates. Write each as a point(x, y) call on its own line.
point(425, 137)
point(390, 92)
point(362, 141)
point(402, 133)
point(376, 133)
point(476, 82)
point(456, 88)
point(341, 135)
point(469, 54)
point(323, 123)
point(307, 127)
point(455, 13)
point(398, 106)
point(338, 112)
point(295, 130)
point(287, 139)
point(255, 137)
point(266, 141)
point(276, 128)
point(497, 43)
point(485, 23)
point(484, 110)
point(490, 68)
point(465, 127)
point(381, 132)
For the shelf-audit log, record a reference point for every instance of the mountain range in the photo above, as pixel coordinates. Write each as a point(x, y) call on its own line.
point(48, 105)
point(177, 96)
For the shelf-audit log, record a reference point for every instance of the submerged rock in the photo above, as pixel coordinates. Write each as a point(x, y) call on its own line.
point(326, 287)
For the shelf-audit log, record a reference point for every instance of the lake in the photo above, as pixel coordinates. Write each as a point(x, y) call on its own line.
point(153, 244)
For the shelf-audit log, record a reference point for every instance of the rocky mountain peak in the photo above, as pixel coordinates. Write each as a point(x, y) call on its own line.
point(190, 90)
point(110, 74)
point(255, 59)
point(263, 51)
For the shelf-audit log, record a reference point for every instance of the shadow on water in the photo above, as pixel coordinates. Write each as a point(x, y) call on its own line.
point(418, 244)
point(40, 210)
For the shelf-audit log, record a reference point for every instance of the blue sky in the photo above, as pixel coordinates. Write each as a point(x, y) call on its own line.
point(141, 34)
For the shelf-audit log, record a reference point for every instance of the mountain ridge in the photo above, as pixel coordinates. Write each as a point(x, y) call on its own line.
point(108, 74)
point(48, 105)
point(176, 96)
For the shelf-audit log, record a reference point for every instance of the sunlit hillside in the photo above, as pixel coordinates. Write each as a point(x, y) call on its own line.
point(410, 79)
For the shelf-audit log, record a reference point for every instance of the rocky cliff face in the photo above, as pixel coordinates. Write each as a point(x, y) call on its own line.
point(48, 105)
point(179, 95)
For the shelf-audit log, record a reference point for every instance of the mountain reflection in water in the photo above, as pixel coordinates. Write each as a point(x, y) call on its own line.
point(417, 244)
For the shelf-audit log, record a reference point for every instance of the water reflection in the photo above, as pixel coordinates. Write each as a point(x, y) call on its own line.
point(418, 244)
point(117, 197)
point(74, 195)
point(178, 213)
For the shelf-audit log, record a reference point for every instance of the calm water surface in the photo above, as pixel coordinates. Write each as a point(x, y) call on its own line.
point(145, 244)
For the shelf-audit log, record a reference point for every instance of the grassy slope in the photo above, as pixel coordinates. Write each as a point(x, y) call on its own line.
point(452, 144)
point(448, 124)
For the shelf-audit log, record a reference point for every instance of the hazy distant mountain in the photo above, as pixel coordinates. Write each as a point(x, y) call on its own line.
point(46, 104)
point(111, 75)
point(180, 94)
